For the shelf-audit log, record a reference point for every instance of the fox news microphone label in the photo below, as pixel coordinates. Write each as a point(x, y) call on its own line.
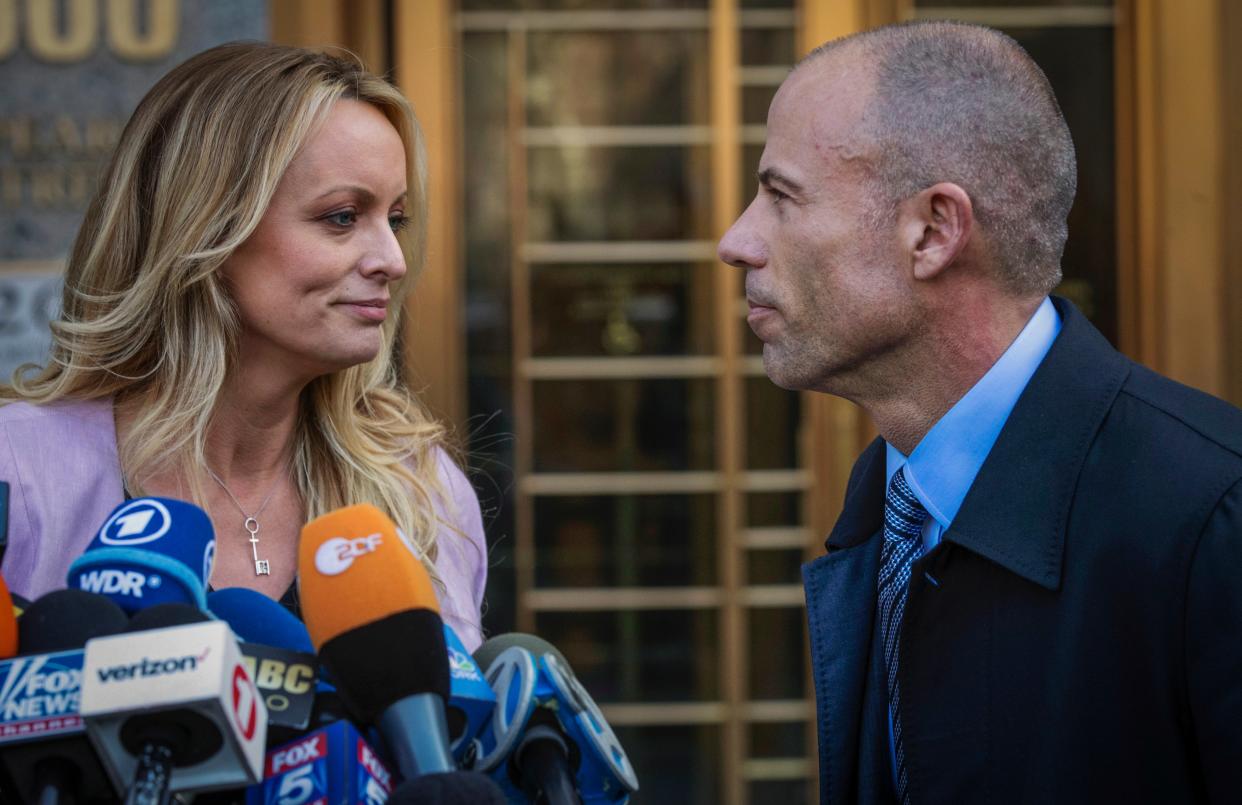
point(330, 765)
point(40, 696)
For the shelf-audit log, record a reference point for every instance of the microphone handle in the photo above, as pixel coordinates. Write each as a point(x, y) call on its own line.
point(543, 759)
point(54, 782)
point(416, 731)
point(152, 776)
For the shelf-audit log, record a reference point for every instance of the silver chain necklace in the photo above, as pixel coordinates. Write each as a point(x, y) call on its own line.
point(251, 523)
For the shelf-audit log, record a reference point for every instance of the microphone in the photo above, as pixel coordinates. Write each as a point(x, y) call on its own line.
point(255, 618)
point(278, 654)
point(331, 764)
point(8, 623)
point(4, 517)
point(547, 735)
point(20, 604)
point(471, 700)
point(172, 708)
point(149, 551)
point(43, 744)
point(448, 788)
point(162, 616)
point(66, 619)
point(372, 613)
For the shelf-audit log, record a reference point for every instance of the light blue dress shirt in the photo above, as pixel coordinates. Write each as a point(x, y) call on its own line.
point(944, 464)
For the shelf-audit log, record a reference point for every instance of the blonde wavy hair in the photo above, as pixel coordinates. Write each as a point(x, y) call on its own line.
point(147, 319)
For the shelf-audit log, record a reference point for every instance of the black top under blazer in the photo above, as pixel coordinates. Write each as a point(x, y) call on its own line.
point(1084, 644)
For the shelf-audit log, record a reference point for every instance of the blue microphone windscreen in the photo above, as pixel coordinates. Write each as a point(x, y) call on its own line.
point(149, 551)
point(255, 618)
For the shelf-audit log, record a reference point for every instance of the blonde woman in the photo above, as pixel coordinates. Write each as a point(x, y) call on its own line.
point(230, 308)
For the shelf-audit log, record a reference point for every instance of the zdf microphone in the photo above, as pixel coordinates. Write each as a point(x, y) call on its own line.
point(373, 615)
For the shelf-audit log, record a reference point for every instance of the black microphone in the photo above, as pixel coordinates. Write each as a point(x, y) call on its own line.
point(43, 745)
point(448, 788)
point(164, 616)
point(372, 613)
point(162, 739)
point(65, 619)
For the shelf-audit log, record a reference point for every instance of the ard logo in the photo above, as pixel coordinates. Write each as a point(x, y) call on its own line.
point(136, 523)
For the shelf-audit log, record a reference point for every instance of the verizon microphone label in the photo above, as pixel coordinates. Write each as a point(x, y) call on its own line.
point(157, 667)
point(148, 667)
point(40, 696)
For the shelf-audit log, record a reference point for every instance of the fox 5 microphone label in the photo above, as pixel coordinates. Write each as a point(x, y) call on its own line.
point(40, 696)
point(330, 766)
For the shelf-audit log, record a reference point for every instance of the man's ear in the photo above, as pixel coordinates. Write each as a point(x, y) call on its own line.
point(936, 225)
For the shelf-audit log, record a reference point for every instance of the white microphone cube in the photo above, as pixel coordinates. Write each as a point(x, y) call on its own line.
point(197, 668)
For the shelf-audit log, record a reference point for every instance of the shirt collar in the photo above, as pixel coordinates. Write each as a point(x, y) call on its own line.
point(944, 464)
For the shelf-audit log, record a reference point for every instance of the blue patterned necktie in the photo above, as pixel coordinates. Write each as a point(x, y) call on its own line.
point(903, 528)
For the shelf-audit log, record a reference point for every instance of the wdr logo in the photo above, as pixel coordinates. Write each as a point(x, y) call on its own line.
point(109, 581)
point(136, 523)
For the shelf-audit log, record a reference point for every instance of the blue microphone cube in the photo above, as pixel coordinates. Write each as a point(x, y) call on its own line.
point(331, 765)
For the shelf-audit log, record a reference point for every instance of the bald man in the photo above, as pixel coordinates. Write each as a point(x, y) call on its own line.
point(1034, 592)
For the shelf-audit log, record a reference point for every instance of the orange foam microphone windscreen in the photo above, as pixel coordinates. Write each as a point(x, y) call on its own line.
point(353, 569)
point(8, 623)
point(371, 611)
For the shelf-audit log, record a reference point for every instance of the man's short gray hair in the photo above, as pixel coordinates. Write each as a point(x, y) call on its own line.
point(966, 104)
